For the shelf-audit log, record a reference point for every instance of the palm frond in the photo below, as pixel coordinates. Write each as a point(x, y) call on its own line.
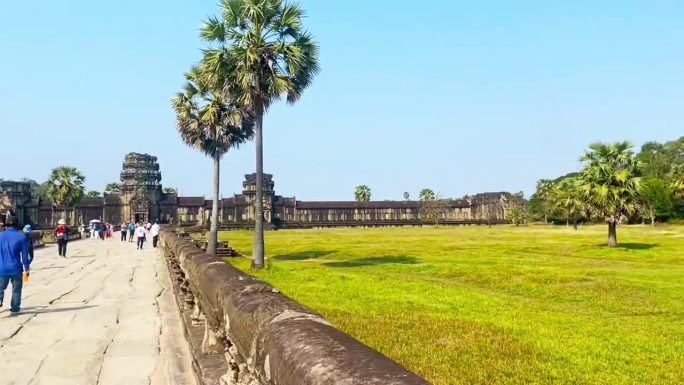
point(265, 54)
point(207, 119)
point(213, 30)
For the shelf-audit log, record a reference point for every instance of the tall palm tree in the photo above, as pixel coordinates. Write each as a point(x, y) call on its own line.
point(609, 183)
point(260, 52)
point(211, 123)
point(65, 187)
point(362, 193)
point(112, 188)
point(544, 188)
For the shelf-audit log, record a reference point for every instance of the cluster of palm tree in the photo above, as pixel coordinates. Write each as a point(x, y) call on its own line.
point(607, 187)
point(565, 198)
point(258, 53)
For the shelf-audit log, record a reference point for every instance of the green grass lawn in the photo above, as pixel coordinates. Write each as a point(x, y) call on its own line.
point(500, 305)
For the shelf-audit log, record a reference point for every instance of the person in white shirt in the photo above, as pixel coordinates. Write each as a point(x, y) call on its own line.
point(155, 234)
point(140, 233)
point(124, 231)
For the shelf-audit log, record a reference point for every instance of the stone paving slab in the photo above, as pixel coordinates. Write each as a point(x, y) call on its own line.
point(104, 315)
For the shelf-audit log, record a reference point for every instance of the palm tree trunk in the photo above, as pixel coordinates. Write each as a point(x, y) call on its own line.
point(546, 217)
point(258, 251)
point(574, 223)
point(651, 211)
point(66, 221)
point(612, 234)
point(213, 230)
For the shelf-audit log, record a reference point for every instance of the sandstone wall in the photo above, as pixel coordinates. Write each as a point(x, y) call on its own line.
point(252, 334)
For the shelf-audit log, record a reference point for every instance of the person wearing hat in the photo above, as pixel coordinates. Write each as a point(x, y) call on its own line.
point(62, 233)
point(29, 240)
point(14, 261)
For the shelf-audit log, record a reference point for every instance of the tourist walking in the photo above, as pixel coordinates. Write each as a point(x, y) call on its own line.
point(14, 261)
point(62, 235)
point(124, 231)
point(140, 233)
point(29, 241)
point(155, 234)
point(131, 231)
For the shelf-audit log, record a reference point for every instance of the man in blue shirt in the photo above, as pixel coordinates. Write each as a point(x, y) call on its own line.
point(14, 259)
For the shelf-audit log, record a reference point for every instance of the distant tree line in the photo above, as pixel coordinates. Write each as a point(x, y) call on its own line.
point(431, 206)
point(617, 185)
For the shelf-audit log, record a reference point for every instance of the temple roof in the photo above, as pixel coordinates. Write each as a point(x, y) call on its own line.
point(90, 202)
point(252, 177)
point(355, 204)
point(190, 201)
point(112, 199)
point(168, 199)
point(240, 200)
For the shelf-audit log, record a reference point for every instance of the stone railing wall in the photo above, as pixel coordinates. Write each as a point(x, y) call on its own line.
point(50, 237)
point(254, 335)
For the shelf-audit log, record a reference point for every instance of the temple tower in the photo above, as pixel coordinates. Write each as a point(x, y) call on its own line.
point(140, 187)
point(249, 191)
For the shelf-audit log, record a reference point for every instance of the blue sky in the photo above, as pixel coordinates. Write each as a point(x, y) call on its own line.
point(461, 97)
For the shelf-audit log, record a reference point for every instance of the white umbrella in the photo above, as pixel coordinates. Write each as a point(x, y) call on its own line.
point(95, 221)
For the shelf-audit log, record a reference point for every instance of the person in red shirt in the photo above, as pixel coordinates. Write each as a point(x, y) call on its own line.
point(62, 234)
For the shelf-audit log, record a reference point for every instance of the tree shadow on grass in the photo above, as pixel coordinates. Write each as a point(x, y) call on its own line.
point(304, 255)
point(370, 261)
point(636, 246)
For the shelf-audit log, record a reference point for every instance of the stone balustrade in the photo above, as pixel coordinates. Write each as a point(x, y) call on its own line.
point(254, 335)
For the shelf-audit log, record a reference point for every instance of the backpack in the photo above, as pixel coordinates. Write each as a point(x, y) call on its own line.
point(61, 235)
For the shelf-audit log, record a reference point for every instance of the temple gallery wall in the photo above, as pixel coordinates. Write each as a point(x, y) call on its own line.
point(141, 199)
